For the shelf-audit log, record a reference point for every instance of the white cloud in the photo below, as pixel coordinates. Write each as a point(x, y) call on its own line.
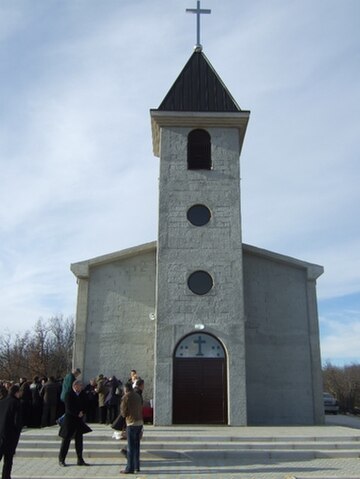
point(341, 337)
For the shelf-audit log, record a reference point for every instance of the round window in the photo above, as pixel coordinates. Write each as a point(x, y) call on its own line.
point(200, 282)
point(198, 215)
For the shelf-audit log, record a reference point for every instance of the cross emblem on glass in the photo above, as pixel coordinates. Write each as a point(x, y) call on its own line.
point(199, 342)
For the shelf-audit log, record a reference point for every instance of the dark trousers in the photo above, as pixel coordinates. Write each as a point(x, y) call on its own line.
point(66, 443)
point(7, 465)
point(92, 412)
point(48, 415)
point(112, 413)
point(102, 414)
point(133, 448)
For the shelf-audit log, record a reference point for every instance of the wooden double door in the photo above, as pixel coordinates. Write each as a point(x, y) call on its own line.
point(199, 391)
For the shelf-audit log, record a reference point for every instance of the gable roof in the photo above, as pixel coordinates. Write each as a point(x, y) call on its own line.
point(199, 88)
point(82, 268)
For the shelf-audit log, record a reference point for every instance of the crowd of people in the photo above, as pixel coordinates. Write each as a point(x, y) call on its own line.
point(42, 399)
point(68, 402)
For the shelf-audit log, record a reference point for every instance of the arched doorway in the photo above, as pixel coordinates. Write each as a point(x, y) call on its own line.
point(199, 381)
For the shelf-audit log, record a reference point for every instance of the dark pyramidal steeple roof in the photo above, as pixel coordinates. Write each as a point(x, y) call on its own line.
point(199, 88)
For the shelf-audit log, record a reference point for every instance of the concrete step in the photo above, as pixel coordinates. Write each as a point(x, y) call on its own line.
point(149, 444)
point(151, 436)
point(204, 441)
point(220, 453)
point(283, 454)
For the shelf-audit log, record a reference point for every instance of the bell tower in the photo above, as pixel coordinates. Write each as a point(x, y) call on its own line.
point(198, 132)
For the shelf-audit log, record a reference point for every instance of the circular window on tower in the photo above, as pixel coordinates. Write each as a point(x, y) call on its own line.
point(199, 215)
point(200, 282)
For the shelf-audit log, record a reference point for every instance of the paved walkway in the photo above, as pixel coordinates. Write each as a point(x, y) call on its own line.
point(197, 464)
point(184, 468)
point(165, 468)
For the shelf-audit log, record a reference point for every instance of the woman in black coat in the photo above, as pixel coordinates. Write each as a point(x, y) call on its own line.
point(10, 428)
point(73, 424)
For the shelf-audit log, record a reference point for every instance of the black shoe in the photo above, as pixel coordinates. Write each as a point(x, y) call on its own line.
point(81, 462)
point(62, 463)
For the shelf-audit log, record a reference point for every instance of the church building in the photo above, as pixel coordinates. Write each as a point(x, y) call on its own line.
point(222, 332)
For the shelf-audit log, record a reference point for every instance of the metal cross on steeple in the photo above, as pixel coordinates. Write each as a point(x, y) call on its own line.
point(198, 12)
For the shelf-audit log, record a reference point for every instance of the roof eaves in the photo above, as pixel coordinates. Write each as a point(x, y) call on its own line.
point(82, 268)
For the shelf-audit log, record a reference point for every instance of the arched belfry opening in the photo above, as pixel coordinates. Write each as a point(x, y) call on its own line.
point(199, 150)
point(199, 381)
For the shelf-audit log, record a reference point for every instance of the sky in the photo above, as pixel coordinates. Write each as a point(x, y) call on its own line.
point(78, 177)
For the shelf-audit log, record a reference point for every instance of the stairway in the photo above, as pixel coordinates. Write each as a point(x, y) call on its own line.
point(247, 443)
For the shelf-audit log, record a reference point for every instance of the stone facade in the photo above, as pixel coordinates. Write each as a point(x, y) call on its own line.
point(115, 333)
point(214, 247)
point(116, 298)
point(135, 307)
point(283, 374)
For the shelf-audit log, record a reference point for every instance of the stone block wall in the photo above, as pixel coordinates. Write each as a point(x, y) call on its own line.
point(283, 370)
point(119, 332)
point(184, 248)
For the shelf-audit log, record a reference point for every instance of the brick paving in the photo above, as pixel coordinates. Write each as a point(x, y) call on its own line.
point(184, 468)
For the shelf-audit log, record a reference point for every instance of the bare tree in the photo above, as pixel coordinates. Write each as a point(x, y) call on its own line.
point(344, 384)
point(39, 351)
point(62, 339)
point(45, 351)
point(6, 363)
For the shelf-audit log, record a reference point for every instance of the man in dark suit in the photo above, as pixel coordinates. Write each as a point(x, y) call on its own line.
point(73, 424)
point(10, 428)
